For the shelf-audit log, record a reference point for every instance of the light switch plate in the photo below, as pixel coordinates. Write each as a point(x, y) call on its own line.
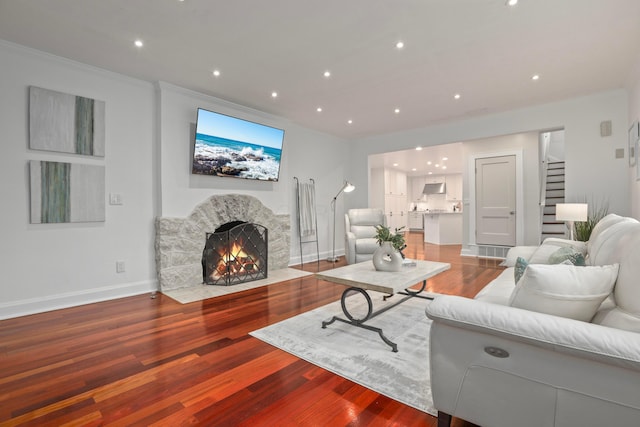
point(115, 198)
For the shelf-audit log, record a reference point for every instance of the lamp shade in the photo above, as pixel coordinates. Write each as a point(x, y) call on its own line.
point(571, 211)
point(349, 187)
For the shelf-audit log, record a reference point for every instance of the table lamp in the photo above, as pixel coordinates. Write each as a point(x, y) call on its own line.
point(571, 212)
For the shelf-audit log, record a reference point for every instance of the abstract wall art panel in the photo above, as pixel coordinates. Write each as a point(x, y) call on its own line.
point(66, 192)
point(66, 123)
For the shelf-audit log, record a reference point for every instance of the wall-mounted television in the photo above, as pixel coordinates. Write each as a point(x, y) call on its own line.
point(232, 147)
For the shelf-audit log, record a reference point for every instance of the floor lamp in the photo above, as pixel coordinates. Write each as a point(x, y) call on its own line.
point(571, 212)
point(347, 187)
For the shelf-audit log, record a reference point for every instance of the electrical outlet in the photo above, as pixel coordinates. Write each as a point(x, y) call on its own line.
point(120, 267)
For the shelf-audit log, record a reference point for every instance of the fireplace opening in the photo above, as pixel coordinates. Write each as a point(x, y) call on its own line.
point(236, 252)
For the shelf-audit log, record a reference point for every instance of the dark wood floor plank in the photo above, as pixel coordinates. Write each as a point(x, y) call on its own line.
point(143, 361)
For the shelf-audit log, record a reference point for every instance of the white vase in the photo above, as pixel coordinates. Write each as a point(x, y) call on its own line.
point(387, 258)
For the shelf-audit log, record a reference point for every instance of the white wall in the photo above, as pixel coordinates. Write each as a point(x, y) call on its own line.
point(526, 147)
point(149, 137)
point(592, 169)
point(48, 266)
point(634, 115)
point(305, 154)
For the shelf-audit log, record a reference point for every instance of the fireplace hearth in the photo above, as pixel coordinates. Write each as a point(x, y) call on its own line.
point(236, 252)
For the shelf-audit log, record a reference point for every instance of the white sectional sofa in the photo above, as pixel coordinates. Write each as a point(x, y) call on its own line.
point(516, 355)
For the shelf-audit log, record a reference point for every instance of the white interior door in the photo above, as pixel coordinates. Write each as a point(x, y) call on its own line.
point(496, 201)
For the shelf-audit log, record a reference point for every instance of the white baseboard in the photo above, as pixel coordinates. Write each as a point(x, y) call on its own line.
point(469, 252)
point(311, 257)
point(25, 307)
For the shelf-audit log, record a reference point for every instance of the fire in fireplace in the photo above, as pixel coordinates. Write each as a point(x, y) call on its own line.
point(236, 252)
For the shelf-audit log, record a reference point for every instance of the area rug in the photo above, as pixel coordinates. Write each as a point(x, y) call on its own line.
point(201, 292)
point(359, 354)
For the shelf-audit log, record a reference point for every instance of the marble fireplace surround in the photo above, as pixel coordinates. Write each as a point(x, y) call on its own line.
point(180, 241)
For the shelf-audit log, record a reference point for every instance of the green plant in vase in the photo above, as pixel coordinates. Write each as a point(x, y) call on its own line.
point(384, 234)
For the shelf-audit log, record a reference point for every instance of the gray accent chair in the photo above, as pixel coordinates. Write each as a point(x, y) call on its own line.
point(360, 230)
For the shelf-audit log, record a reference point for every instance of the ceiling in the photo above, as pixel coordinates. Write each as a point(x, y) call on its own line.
point(427, 161)
point(483, 50)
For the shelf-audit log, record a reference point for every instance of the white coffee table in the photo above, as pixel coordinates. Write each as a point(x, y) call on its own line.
point(363, 276)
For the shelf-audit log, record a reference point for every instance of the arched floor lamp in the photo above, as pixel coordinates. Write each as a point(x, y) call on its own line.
point(347, 187)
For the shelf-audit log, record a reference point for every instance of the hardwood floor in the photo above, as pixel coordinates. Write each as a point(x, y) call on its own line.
point(143, 361)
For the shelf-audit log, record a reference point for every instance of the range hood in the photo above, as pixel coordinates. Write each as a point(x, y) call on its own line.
point(438, 188)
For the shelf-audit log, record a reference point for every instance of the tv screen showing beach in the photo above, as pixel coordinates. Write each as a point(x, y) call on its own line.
point(231, 147)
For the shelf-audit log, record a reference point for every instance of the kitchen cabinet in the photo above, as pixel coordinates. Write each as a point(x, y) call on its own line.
point(443, 228)
point(434, 179)
point(416, 187)
point(395, 182)
point(389, 192)
point(414, 220)
point(454, 187)
point(395, 211)
point(418, 182)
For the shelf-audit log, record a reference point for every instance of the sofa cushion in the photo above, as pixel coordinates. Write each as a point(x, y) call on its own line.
point(366, 246)
point(567, 254)
point(551, 245)
point(518, 270)
point(620, 243)
point(600, 227)
point(564, 290)
point(518, 252)
point(499, 290)
point(608, 241)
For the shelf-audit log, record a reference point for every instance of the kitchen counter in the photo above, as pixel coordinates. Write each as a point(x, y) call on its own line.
point(442, 213)
point(443, 228)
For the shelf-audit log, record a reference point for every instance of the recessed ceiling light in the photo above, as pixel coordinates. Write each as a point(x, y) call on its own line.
point(319, 109)
point(430, 173)
point(395, 164)
point(216, 73)
point(444, 167)
point(400, 44)
point(456, 96)
point(535, 77)
point(414, 169)
point(274, 94)
point(445, 158)
point(397, 111)
point(350, 121)
point(418, 148)
point(327, 73)
point(429, 162)
point(138, 43)
point(512, 2)
point(437, 165)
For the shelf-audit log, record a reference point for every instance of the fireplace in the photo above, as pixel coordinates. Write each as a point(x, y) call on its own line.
point(236, 252)
point(179, 241)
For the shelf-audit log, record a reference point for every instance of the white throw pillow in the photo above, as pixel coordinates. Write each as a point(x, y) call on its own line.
point(550, 245)
point(564, 290)
point(516, 252)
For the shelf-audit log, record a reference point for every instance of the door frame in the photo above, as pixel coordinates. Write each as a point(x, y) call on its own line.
point(471, 209)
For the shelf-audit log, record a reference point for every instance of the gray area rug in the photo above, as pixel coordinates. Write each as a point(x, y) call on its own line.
point(360, 355)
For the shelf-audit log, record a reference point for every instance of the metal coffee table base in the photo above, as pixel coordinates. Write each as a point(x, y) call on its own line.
point(359, 322)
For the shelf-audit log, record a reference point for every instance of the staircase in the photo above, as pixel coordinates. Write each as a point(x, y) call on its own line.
point(554, 193)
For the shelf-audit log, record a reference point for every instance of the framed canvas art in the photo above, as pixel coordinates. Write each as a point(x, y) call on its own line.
point(66, 192)
point(66, 123)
